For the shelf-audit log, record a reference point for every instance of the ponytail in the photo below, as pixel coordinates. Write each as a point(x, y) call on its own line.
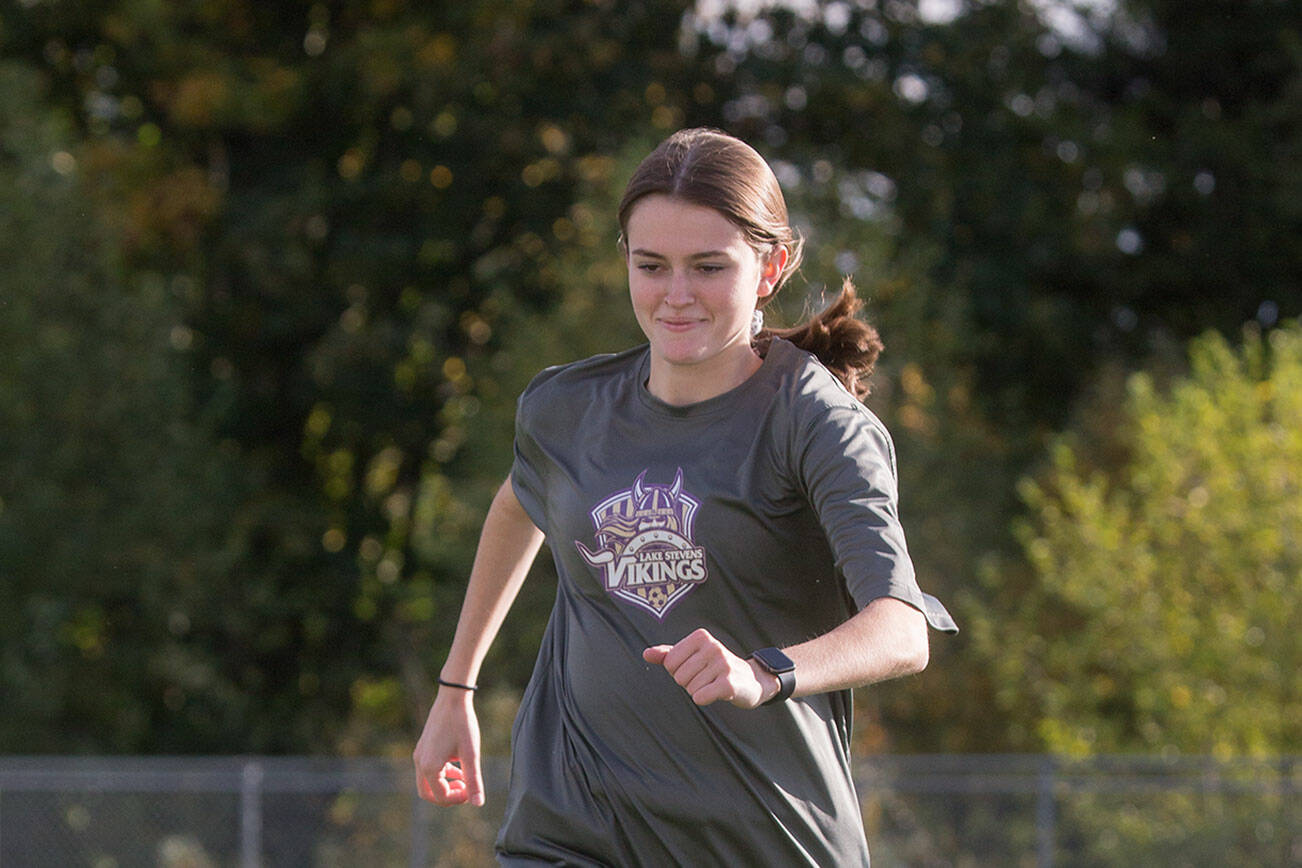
point(846, 345)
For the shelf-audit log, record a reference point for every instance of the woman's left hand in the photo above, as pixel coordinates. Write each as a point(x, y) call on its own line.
point(709, 672)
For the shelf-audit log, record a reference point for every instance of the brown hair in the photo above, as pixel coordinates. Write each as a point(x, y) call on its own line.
point(713, 169)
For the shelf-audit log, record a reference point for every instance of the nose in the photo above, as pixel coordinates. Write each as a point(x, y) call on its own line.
point(679, 293)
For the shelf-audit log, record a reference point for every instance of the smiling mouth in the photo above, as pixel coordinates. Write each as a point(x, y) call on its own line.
point(678, 324)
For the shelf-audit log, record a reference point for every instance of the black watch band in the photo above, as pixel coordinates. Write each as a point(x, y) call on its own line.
point(774, 661)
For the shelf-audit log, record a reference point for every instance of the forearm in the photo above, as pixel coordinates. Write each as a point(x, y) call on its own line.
point(508, 544)
point(887, 639)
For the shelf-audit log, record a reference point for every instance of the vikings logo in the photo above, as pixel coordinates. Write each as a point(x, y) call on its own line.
point(644, 544)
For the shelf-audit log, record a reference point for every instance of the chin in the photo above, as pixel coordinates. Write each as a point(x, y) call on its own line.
point(678, 354)
point(691, 355)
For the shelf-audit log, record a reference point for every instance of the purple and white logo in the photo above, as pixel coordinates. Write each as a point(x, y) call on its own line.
point(644, 544)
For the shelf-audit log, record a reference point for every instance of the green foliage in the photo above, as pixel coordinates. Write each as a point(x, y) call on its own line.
point(114, 503)
point(1162, 611)
point(1079, 187)
point(359, 195)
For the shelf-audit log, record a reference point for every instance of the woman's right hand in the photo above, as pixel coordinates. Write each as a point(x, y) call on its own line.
point(447, 755)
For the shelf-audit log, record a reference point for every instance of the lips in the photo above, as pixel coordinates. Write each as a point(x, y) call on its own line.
point(677, 324)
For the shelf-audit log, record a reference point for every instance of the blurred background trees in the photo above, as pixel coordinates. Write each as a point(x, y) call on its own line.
point(118, 502)
point(274, 274)
point(1165, 547)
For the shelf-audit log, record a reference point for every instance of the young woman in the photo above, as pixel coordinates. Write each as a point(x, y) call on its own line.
point(722, 512)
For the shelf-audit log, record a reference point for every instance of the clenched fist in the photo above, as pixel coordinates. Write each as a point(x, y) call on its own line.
point(709, 672)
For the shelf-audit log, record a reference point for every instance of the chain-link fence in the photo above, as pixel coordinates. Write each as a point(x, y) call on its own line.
point(918, 810)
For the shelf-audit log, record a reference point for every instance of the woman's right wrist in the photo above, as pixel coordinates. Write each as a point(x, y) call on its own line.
point(458, 684)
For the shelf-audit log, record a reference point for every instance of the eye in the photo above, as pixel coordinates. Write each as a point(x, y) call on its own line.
point(648, 267)
point(710, 267)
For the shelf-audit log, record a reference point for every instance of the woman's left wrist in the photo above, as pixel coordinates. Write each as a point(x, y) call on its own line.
point(769, 683)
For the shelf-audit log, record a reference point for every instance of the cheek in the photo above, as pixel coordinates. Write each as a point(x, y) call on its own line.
point(642, 296)
point(740, 301)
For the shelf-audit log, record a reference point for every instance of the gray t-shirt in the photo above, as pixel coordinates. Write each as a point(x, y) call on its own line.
point(766, 515)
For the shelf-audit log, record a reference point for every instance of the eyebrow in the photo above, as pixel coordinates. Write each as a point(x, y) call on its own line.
point(708, 254)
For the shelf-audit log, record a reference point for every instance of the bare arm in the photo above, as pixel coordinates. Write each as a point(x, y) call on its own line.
point(447, 755)
point(507, 546)
point(885, 640)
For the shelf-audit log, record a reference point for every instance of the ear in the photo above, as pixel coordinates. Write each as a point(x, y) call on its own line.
point(771, 270)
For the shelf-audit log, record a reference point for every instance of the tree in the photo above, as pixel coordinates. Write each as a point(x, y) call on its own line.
point(356, 193)
point(1160, 613)
point(117, 506)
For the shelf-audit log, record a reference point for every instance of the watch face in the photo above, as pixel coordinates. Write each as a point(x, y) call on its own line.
point(774, 660)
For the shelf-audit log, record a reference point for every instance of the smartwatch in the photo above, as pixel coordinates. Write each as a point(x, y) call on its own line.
point(774, 661)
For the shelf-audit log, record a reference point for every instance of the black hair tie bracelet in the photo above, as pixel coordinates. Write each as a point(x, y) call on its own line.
point(471, 687)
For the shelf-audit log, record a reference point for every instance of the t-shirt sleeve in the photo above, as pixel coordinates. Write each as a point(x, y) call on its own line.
point(528, 467)
point(846, 463)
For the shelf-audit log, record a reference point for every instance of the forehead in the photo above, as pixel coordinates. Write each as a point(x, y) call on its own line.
point(666, 224)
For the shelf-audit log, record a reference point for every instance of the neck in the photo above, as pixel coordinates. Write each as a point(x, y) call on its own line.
point(690, 384)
